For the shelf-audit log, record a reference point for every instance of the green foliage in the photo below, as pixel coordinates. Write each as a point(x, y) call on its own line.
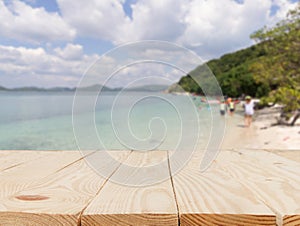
point(189, 84)
point(287, 96)
point(232, 71)
point(279, 69)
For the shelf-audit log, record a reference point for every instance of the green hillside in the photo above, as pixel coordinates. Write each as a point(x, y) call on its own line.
point(232, 72)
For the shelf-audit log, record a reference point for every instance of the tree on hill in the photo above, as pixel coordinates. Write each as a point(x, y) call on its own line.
point(279, 69)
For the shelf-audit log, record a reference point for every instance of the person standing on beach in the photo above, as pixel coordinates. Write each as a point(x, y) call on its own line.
point(249, 111)
point(230, 106)
point(222, 108)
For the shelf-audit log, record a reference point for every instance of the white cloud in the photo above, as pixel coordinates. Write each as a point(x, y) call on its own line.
point(21, 22)
point(102, 19)
point(152, 19)
point(283, 7)
point(137, 60)
point(70, 52)
point(107, 20)
point(144, 73)
point(209, 27)
point(35, 66)
point(216, 27)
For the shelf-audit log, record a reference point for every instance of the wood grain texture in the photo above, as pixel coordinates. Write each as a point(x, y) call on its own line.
point(244, 187)
point(31, 219)
point(226, 219)
point(18, 178)
point(133, 219)
point(291, 220)
point(215, 198)
point(273, 179)
point(10, 159)
point(56, 199)
point(293, 155)
point(118, 204)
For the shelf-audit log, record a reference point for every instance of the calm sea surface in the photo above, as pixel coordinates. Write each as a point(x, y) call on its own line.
point(43, 121)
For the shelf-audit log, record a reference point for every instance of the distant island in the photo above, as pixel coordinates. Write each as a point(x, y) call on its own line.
point(96, 87)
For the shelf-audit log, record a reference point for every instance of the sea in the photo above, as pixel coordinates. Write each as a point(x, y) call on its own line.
point(110, 120)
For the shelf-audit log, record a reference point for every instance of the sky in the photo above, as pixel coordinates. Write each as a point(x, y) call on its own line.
point(54, 42)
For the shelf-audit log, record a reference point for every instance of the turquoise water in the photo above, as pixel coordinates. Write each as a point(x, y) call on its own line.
point(43, 121)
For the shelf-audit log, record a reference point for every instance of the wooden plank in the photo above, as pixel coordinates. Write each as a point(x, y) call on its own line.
point(17, 178)
point(273, 179)
point(293, 155)
point(215, 198)
point(210, 219)
point(118, 204)
point(30, 219)
point(10, 158)
point(244, 187)
point(291, 220)
point(56, 199)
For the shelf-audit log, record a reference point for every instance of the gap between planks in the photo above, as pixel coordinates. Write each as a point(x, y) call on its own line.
point(117, 204)
point(172, 183)
point(273, 179)
point(80, 215)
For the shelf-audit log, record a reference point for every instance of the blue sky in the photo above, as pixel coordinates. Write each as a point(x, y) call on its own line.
point(51, 43)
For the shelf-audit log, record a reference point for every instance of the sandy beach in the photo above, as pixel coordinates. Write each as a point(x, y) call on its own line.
point(262, 134)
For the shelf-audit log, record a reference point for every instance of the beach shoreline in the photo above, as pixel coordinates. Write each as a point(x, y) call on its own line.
point(262, 134)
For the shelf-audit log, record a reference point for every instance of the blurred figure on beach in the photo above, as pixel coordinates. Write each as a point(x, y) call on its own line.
point(222, 107)
point(231, 106)
point(249, 111)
